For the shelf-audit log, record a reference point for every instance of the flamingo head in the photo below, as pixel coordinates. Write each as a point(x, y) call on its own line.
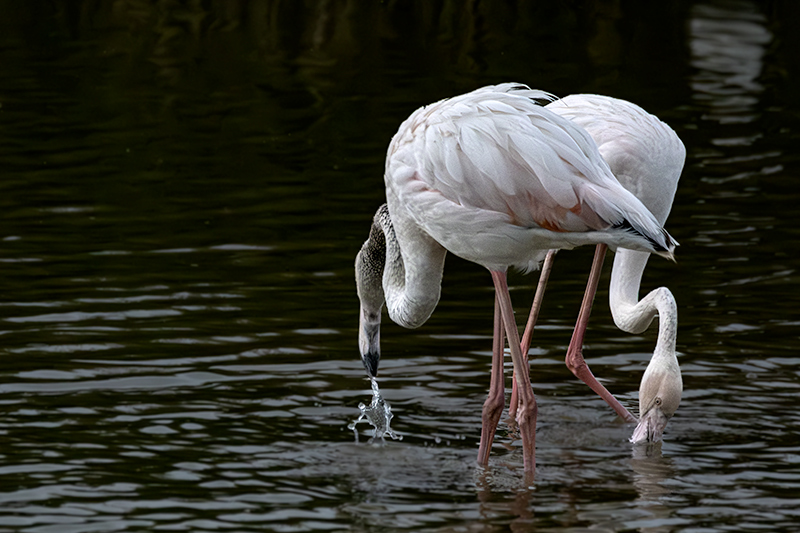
point(370, 263)
point(659, 397)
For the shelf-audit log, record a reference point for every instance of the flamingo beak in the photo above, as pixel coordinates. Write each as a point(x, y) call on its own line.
point(369, 344)
point(651, 426)
point(370, 361)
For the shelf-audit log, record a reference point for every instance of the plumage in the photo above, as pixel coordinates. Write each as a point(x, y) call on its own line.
point(514, 173)
point(496, 178)
point(647, 158)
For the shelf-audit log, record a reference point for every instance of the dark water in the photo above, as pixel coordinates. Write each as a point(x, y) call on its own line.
point(184, 188)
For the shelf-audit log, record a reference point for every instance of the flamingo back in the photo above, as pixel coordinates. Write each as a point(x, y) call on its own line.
point(644, 153)
point(494, 163)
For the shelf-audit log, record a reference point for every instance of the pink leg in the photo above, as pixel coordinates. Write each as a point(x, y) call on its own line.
point(538, 296)
point(574, 360)
point(495, 402)
point(526, 416)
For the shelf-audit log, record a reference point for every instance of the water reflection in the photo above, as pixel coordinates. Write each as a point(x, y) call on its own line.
point(728, 41)
point(514, 507)
point(650, 472)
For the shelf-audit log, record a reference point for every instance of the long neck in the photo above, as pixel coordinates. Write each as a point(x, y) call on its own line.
point(402, 266)
point(634, 315)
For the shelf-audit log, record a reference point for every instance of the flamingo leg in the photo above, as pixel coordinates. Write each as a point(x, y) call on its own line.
point(538, 296)
point(495, 402)
point(526, 415)
point(574, 360)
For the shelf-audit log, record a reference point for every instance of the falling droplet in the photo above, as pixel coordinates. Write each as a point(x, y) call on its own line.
point(378, 413)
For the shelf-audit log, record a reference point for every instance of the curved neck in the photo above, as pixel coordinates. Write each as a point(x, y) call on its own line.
point(634, 315)
point(402, 266)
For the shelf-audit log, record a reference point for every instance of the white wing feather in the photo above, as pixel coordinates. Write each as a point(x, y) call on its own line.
point(605, 118)
point(497, 154)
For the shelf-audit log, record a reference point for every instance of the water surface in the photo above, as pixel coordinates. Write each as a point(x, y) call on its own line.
point(185, 188)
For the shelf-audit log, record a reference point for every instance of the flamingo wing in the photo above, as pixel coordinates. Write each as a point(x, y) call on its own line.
point(497, 152)
point(635, 143)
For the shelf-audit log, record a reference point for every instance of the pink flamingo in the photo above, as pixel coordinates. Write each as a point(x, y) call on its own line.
point(493, 177)
point(647, 157)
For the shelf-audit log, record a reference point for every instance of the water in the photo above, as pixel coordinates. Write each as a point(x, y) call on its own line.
point(379, 415)
point(184, 189)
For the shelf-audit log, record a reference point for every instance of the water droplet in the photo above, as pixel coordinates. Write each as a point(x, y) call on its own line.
point(378, 413)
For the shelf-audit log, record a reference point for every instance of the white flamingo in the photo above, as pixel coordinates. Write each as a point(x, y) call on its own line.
point(497, 179)
point(647, 158)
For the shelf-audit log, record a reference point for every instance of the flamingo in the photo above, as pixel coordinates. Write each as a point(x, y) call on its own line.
point(647, 158)
point(495, 178)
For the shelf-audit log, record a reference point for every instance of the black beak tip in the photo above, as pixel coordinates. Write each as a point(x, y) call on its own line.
point(371, 364)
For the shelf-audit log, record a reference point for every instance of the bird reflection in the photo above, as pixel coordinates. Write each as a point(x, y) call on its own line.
point(495, 500)
point(650, 470)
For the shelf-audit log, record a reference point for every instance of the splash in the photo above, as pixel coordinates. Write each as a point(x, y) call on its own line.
point(378, 414)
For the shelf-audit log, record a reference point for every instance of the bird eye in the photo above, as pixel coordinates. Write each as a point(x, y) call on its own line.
point(658, 401)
